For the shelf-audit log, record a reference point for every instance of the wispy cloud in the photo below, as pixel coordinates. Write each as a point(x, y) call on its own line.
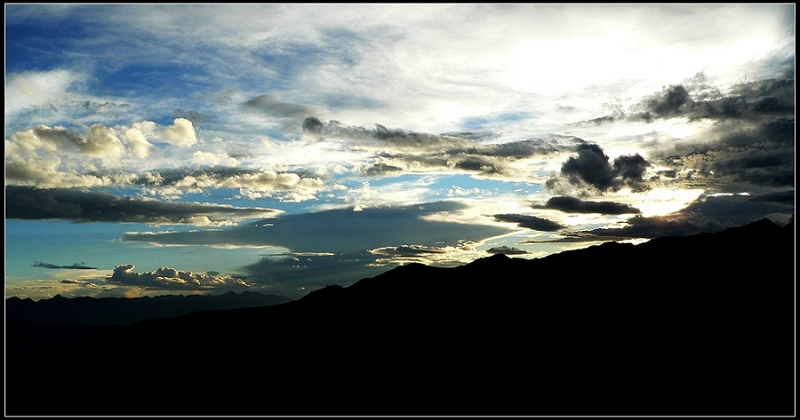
point(75, 266)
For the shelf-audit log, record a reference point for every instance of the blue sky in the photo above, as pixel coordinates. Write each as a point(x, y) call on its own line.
point(156, 149)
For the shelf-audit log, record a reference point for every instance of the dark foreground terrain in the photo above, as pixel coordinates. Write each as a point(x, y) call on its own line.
point(702, 325)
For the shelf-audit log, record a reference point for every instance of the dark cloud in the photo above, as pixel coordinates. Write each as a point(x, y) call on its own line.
point(695, 99)
point(706, 215)
point(381, 169)
point(75, 266)
point(760, 154)
point(407, 250)
point(195, 117)
point(291, 274)
point(668, 103)
point(421, 151)
point(270, 105)
point(166, 278)
point(740, 209)
point(479, 164)
point(324, 231)
point(592, 167)
point(81, 206)
point(781, 197)
point(506, 250)
point(631, 169)
point(530, 222)
point(575, 205)
point(313, 125)
point(678, 224)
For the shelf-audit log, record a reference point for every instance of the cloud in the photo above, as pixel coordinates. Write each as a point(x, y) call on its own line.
point(252, 184)
point(74, 266)
point(180, 133)
point(100, 141)
point(440, 256)
point(760, 154)
point(322, 231)
point(696, 100)
point(575, 205)
point(36, 89)
point(708, 214)
point(165, 278)
point(270, 105)
point(298, 273)
point(506, 250)
point(397, 149)
point(80, 206)
point(213, 159)
point(530, 222)
point(591, 167)
point(140, 146)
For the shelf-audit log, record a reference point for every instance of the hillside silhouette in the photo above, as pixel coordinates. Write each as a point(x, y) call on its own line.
point(700, 325)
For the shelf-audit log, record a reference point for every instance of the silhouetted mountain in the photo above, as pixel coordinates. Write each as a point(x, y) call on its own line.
point(127, 311)
point(701, 325)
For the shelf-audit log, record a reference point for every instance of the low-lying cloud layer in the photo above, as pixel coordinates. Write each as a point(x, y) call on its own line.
point(339, 230)
point(81, 206)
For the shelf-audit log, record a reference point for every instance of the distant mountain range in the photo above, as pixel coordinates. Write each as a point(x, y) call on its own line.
point(128, 311)
point(701, 325)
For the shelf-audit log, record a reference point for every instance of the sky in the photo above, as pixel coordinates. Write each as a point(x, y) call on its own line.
point(278, 148)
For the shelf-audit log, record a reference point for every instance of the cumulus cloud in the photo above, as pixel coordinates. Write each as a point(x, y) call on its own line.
point(506, 250)
point(440, 256)
point(530, 222)
point(100, 141)
point(575, 205)
point(252, 184)
point(165, 278)
point(80, 206)
point(213, 159)
point(180, 133)
point(592, 167)
point(140, 146)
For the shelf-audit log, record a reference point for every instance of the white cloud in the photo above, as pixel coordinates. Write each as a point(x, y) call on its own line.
point(213, 159)
point(181, 133)
point(137, 139)
point(29, 90)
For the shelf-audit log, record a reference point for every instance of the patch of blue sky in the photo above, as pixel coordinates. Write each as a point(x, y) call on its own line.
point(97, 245)
point(60, 243)
point(482, 123)
point(37, 45)
point(147, 79)
point(481, 186)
